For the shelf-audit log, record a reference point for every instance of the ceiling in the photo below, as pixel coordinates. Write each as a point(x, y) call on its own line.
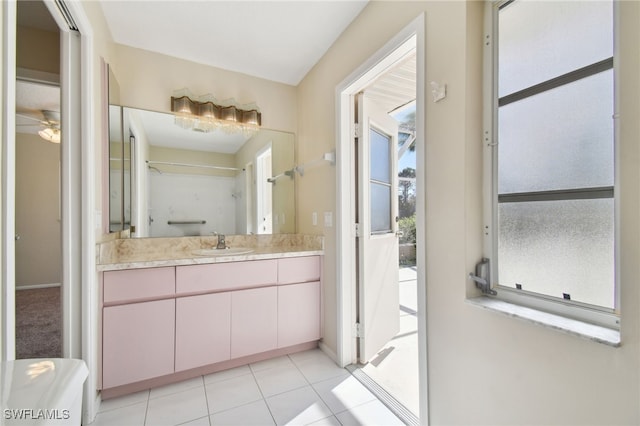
point(396, 88)
point(274, 40)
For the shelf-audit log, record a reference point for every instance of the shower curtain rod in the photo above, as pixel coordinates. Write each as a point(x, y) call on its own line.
point(203, 166)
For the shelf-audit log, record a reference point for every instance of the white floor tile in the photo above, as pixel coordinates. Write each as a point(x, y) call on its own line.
point(123, 401)
point(329, 421)
point(232, 393)
point(275, 391)
point(257, 413)
point(298, 407)
point(176, 387)
point(343, 393)
point(131, 415)
point(316, 366)
point(277, 380)
point(177, 408)
point(371, 413)
point(227, 374)
point(282, 361)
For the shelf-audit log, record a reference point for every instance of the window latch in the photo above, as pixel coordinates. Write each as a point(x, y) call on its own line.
point(482, 277)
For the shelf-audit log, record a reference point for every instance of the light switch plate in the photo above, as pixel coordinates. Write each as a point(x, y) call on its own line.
point(328, 219)
point(314, 218)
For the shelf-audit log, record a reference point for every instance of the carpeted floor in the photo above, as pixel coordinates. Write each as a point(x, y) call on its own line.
point(38, 323)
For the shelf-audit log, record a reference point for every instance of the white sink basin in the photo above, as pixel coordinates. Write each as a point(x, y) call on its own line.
point(231, 251)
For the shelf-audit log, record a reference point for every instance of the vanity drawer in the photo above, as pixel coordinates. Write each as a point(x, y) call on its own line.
point(298, 269)
point(226, 276)
point(138, 284)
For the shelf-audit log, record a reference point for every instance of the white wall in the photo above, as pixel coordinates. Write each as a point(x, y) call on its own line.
point(190, 197)
point(484, 368)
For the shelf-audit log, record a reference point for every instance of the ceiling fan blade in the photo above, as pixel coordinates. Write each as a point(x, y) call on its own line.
point(30, 117)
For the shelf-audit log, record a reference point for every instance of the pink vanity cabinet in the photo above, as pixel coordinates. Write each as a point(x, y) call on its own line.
point(231, 311)
point(166, 324)
point(137, 328)
point(298, 300)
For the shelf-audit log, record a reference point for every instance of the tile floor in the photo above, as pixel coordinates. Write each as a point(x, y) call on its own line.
point(299, 389)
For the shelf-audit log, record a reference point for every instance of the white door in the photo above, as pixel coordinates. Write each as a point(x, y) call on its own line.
point(378, 295)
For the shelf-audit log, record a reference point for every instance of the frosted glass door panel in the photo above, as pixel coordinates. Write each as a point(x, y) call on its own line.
point(542, 40)
point(380, 186)
point(380, 208)
point(556, 247)
point(380, 157)
point(572, 148)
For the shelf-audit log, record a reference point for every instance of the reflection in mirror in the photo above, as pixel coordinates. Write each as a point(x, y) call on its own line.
point(189, 183)
point(119, 150)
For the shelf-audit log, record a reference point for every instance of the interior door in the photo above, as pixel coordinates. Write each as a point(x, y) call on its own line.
point(378, 298)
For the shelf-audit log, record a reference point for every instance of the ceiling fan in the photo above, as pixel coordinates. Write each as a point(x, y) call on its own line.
point(50, 123)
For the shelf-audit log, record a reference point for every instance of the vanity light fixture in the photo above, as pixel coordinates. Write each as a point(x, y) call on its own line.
point(207, 114)
point(50, 134)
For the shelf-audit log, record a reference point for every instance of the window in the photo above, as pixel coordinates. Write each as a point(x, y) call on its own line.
point(552, 156)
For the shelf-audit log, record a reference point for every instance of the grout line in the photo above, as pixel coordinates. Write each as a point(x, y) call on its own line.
point(262, 394)
point(146, 411)
point(316, 392)
point(206, 400)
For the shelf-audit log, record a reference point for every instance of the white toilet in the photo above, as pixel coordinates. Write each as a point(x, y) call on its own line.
point(42, 391)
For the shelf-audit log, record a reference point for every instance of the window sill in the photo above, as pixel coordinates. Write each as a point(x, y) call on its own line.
point(592, 332)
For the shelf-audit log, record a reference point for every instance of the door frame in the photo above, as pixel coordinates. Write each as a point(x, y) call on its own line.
point(413, 35)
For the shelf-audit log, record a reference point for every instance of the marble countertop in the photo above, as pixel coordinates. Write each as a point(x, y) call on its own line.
point(152, 253)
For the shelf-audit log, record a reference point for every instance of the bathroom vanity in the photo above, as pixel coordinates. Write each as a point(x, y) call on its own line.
point(168, 315)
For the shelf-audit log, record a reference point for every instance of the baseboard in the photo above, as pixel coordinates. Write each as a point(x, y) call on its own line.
point(36, 286)
point(328, 351)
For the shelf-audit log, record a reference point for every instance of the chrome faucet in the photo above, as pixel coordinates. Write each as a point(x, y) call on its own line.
point(221, 242)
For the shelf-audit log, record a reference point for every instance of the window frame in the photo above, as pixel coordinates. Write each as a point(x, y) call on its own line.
point(593, 314)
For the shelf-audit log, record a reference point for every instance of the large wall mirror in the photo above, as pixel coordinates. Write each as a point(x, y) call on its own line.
point(190, 183)
point(119, 151)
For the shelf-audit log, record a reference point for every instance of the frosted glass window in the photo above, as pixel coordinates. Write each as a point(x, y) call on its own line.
point(558, 139)
point(556, 247)
point(380, 208)
point(380, 156)
point(540, 40)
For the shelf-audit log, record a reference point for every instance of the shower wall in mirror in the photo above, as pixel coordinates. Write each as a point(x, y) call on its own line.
point(190, 183)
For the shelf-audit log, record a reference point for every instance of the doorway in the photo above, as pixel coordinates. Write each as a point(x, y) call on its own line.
point(37, 196)
point(394, 366)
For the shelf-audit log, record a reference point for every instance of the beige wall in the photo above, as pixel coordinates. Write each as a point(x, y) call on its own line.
point(38, 50)
point(283, 159)
point(37, 211)
point(484, 368)
point(147, 81)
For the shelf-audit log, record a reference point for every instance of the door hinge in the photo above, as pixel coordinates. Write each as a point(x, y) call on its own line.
point(356, 130)
point(357, 230)
point(358, 330)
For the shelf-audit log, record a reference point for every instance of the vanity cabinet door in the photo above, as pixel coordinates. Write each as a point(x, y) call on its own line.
point(298, 313)
point(138, 342)
point(203, 330)
point(294, 270)
point(254, 321)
